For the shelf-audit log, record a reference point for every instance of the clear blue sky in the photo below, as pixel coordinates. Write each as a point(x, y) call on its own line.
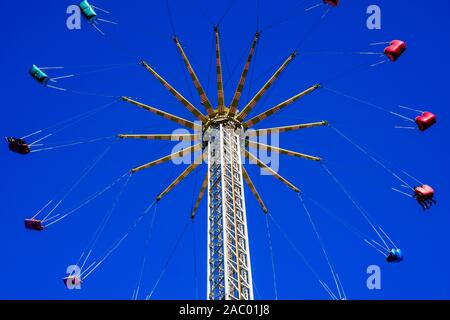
point(33, 264)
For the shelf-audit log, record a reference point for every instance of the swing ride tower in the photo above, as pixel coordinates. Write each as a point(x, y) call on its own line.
point(222, 138)
point(229, 267)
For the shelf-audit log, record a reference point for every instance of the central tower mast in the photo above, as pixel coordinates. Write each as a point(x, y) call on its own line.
point(229, 267)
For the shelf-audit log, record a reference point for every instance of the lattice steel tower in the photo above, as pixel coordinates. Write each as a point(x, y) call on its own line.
point(229, 268)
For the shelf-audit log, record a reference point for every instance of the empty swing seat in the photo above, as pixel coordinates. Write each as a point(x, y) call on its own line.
point(72, 281)
point(426, 120)
point(395, 49)
point(39, 75)
point(395, 255)
point(88, 11)
point(33, 224)
point(424, 192)
point(333, 3)
point(18, 145)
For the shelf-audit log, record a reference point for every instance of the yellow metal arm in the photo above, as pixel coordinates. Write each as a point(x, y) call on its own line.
point(168, 116)
point(200, 116)
point(266, 168)
point(240, 87)
point(181, 177)
point(250, 123)
point(264, 89)
point(204, 98)
point(169, 137)
point(220, 92)
point(262, 146)
point(172, 156)
point(253, 189)
point(263, 132)
point(200, 196)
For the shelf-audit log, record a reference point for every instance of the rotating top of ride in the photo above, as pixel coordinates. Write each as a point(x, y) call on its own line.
point(212, 125)
point(223, 118)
